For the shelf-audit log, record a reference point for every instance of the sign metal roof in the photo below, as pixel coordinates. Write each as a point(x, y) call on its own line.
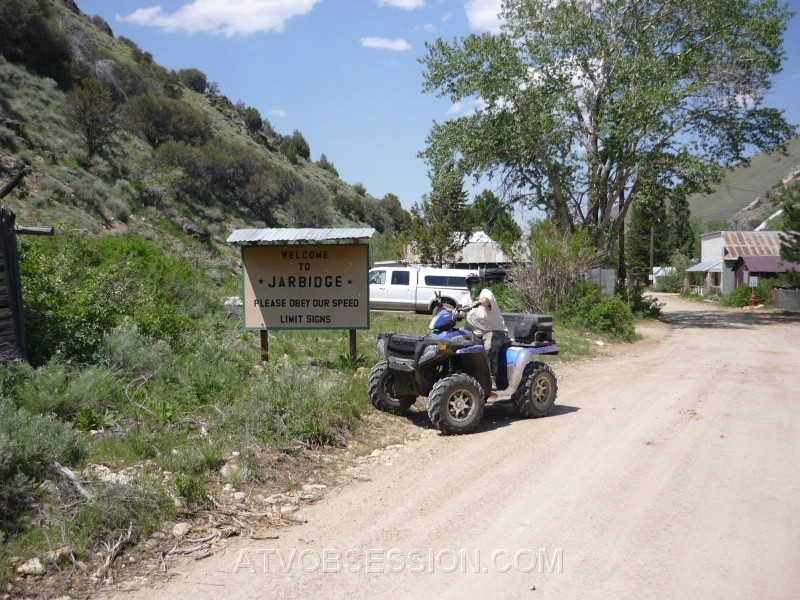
point(247, 237)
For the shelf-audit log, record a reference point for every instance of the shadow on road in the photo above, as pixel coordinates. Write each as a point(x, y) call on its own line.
point(728, 319)
point(497, 414)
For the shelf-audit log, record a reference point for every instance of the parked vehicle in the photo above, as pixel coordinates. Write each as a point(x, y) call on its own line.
point(409, 287)
point(450, 366)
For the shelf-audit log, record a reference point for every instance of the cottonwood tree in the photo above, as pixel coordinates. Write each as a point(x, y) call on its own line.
point(580, 101)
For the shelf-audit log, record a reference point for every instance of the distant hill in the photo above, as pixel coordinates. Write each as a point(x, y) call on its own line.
point(754, 186)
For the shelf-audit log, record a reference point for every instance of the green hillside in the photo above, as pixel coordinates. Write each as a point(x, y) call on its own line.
point(136, 366)
point(181, 155)
point(745, 184)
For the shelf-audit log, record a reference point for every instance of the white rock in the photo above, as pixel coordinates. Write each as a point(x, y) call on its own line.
point(33, 567)
point(181, 529)
point(275, 498)
point(310, 487)
point(287, 508)
point(240, 496)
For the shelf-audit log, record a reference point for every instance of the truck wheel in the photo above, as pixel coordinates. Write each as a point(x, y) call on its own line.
point(537, 393)
point(455, 404)
point(380, 387)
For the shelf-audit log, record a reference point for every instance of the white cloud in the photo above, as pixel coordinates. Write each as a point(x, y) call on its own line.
point(398, 45)
point(228, 17)
point(405, 4)
point(466, 108)
point(279, 113)
point(483, 15)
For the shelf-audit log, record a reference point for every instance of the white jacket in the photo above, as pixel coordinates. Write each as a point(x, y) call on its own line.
point(484, 319)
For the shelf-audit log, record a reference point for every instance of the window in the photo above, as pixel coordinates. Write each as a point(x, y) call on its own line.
point(400, 278)
point(444, 281)
point(378, 277)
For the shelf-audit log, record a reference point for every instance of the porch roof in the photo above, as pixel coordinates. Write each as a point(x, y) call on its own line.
point(708, 265)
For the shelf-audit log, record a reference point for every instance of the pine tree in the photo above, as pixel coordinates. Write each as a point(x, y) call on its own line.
point(439, 227)
point(647, 236)
point(681, 231)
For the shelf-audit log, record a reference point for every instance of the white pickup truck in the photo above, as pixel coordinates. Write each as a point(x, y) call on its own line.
point(414, 288)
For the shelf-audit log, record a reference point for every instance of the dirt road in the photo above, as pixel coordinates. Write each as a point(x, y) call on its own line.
point(670, 469)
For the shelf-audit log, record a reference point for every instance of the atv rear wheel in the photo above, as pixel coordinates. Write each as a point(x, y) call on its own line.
point(380, 387)
point(537, 393)
point(455, 404)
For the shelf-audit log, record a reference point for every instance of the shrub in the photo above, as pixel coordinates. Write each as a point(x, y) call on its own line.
point(30, 35)
point(324, 163)
point(252, 120)
point(741, 295)
point(94, 111)
point(604, 315)
point(194, 79)
point(301, 145)
point(53, 389)
point(644, 306)
point(77, 289)
point(672, 281)
point(294, 404)
point(305, 211)
point(29, 442)
point(612, 315)
point(160, 119)
point(552, 268)
point(141, 505)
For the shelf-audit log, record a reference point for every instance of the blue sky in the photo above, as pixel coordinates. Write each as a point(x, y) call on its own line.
point(345, 73)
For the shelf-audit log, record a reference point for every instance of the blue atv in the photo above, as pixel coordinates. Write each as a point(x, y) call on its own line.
point(450, 366)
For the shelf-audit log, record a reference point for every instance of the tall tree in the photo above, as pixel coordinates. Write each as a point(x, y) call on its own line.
point(681, 230)
point(439, 224)
point(488, 213)
point(401, 220)
point(581, 101)
point(647, 244)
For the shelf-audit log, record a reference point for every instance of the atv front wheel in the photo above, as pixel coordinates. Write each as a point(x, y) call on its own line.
point(536, 395)
point(455, 404)
point(380, 387)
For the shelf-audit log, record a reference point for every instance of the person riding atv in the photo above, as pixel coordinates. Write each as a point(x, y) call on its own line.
point(451, 367)
point(484, 320)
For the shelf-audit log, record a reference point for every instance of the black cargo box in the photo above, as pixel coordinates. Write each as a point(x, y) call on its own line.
point(528, 328)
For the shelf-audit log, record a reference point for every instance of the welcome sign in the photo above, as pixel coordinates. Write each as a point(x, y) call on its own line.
point(306, 286)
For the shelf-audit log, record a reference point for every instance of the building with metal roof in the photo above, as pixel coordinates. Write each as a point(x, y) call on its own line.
point(728, 258)
point(479, 251)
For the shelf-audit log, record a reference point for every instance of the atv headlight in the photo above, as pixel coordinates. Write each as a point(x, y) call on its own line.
point(381, 345)
point(431, 351)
